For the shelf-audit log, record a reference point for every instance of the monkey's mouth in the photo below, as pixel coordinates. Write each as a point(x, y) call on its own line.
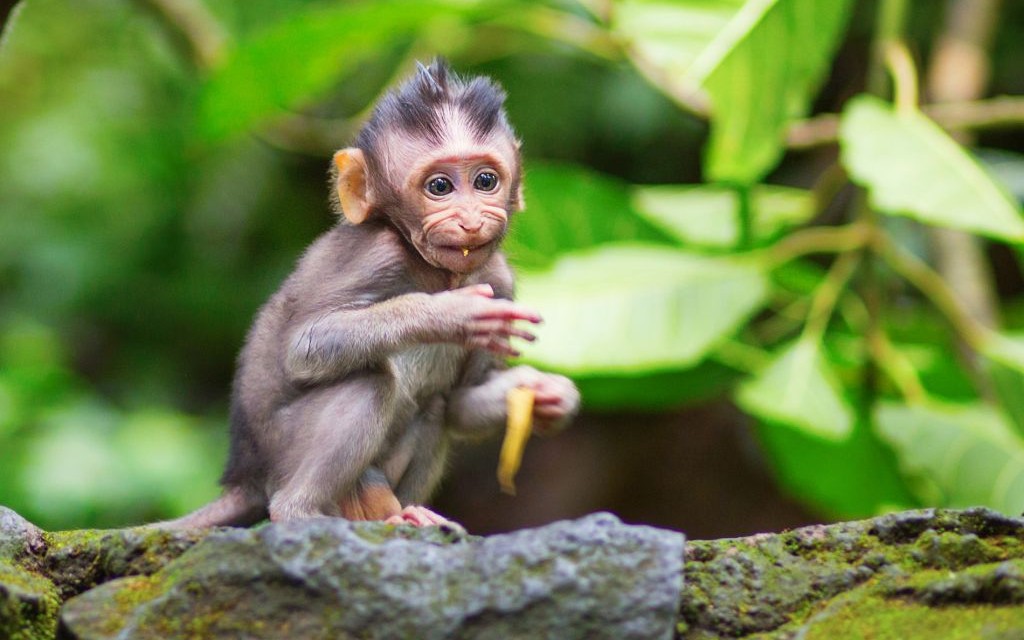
point(465, 250)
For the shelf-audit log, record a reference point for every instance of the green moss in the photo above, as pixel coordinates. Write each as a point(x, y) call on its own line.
point(131, 593)
point(879, 618)
point(951, 550)
point(29, 605)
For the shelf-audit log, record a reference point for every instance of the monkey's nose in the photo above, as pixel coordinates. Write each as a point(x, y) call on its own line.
point(472, 225)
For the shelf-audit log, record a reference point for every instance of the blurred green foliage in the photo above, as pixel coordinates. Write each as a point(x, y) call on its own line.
point(163, 165)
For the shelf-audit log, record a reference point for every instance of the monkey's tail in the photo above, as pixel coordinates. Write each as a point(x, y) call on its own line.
point(236, 507)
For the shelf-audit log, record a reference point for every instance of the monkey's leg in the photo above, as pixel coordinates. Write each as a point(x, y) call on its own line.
point(333, 435)
point(373, 499)
point(416, 462)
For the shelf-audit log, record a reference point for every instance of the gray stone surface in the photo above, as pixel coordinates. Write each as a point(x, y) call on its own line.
point(28, 601)
point(18, 536)
point(931, 573)
point(950, 574)
point(590, 578)
point(28, 604)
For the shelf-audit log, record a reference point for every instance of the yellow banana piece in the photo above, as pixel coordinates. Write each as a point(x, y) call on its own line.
point(520, 417)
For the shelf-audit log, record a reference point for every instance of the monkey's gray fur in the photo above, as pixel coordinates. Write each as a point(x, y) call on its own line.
point(359, 368)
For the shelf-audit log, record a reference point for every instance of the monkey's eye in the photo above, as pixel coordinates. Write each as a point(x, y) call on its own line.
point(440, 186)
point(486, 181)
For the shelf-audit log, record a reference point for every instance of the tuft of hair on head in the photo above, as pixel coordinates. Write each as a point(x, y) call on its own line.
point(421, 105)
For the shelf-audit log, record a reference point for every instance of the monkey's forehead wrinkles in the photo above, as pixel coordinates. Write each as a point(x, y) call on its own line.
point(406, 157)
point(460, 157)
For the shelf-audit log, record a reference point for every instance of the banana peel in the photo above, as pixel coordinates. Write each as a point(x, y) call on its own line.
point(517, 430)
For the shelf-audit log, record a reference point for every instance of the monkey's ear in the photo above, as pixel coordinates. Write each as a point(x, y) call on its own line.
point(351, 184)
point(519, 203)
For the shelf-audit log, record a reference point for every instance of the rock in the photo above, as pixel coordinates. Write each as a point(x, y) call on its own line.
point(921, 574)
point(918, 574)
point(18, 536)
point(79, 560)
point(28, 604)
point(590, 578)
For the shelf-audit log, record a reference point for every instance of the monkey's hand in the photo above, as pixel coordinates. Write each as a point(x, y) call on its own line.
point(472, 316)
point(555, 399)
point(481, 409)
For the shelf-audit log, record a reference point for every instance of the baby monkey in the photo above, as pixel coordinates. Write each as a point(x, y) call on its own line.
point(391, 335)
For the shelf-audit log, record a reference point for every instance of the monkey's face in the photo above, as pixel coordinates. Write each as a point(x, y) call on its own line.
point(463, 202)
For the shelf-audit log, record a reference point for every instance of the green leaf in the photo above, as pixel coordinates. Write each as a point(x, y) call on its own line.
point(855, 478)
point(637, 308)
point(295, 61)
point(1005, 359)
point(761, 73)
point(910, 167)
point(8, 28)
point(758, 61)
point(799, 389)
point(570, 208)
point(1006, 167)
point(957, 455)
point(669, 34)
point(709, 215)
point(660, 390)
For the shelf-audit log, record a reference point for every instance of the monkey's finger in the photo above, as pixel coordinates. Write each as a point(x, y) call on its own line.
point(516, 332)
point(504, 310)
point(498, 346)
point(502, 329)
point(426, 515)
point(549, 411)
point(544, 399)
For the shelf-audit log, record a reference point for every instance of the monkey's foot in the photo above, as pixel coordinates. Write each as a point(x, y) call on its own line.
point(420, 516)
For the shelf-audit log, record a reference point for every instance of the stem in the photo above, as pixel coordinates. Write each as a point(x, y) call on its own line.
point(898, 369)
point(817, 240)
point(993, 113)
point(904, 76)
point(564, 27)
point(934, 287)
point(744, 195)
point(959, 70)
point(892, 16)
point(741, 356)
point(889, 27)
point(896, 366)
point(824, 301)
point(204, 36)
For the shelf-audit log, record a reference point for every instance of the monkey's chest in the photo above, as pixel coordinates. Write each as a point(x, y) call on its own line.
point(426, 370)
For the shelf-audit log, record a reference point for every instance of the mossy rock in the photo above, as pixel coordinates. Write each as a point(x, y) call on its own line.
point(330, 578)
point(921, 574)
point(29, 604)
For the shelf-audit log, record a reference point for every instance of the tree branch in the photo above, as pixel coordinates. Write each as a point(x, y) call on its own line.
point(970, 115)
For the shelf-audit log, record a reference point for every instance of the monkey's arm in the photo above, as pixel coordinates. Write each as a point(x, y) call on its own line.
point(333, 344)
point(477, 411)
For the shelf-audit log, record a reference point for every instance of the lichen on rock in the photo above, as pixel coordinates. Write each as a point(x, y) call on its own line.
point(591, 578)
point(957, 573)
point(920, 574)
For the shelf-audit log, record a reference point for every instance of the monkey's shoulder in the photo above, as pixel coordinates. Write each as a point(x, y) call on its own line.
point(350, 264)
